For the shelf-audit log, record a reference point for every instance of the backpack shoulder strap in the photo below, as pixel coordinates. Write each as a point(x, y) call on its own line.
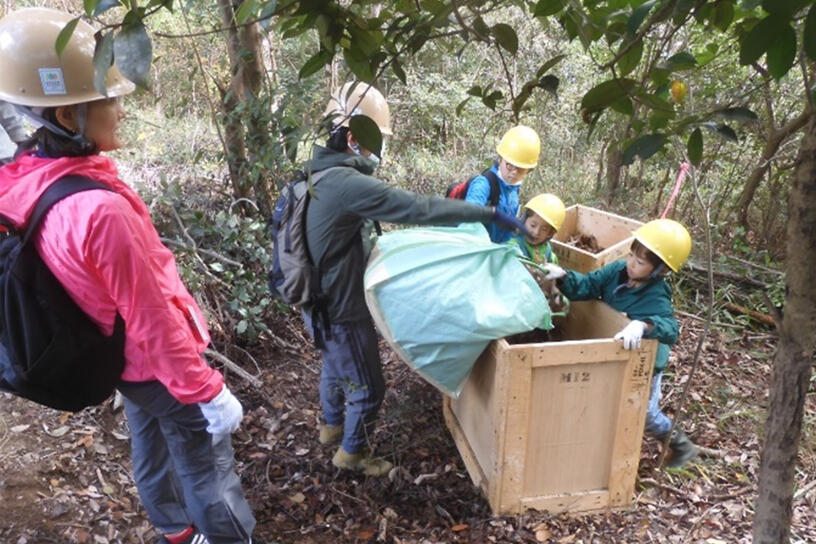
point(321, 174)
point(58, 190)
point(495, 190)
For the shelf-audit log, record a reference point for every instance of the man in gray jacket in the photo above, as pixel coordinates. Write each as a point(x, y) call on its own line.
point(345, 203)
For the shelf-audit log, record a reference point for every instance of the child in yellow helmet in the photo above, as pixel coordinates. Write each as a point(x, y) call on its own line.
point(636, 286)
point(499, 185)
point(543, 216)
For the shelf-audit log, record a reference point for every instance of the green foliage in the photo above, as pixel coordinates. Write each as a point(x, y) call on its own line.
point(606, 94)
point(545, 8)
point(315, 63)
point(373, 36)
point(630, 59)
point(782, 52)
point(223, 257)
point(722, 130)
point(506, 37)
point(133, 53)
point(723, 15)
point(443, 135)
point(638, 15)
point(102, 61)
point(95, 8)
point(367, 132)
point(65, 35)
point(695, 147)
point(644, 147)
point(736, 114)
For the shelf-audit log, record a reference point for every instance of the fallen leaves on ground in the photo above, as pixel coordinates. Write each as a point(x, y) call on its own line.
point(66, 478)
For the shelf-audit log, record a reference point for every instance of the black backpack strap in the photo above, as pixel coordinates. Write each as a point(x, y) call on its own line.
point(320, 312)
point(495, 190)
point(58, 190)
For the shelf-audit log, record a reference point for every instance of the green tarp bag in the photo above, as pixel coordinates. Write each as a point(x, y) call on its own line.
point(439, 296)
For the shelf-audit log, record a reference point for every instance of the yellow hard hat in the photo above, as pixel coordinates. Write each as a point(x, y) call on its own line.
point(667, 239)
point(549, 207)
point(33, 74)
point(359, 98)
point(520, 147)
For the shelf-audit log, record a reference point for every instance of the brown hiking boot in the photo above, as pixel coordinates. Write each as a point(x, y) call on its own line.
point(330, 433)
point(361, 462)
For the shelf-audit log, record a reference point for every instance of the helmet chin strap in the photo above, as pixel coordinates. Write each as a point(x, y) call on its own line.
point(35, 115)
point(657, 271)
point(653, 274)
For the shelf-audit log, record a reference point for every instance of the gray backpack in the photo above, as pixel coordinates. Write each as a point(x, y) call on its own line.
point(294, 277)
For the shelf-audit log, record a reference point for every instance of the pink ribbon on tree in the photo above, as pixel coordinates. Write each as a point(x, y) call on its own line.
point(681, 176)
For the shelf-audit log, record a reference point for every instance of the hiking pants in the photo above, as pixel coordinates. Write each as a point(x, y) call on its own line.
point(351, 380)
point(185, 475)
point(657, 423)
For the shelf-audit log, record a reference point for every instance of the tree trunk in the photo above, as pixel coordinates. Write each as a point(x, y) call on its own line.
point(775, 140)
point(794, 357)
point(613, 171)
point(256, 115)
point(660, 189)
point(246, 128)
point(230, 99)
point(599, 177)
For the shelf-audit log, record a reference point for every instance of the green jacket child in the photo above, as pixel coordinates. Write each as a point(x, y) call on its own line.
point(543, 216)
point(636, 286)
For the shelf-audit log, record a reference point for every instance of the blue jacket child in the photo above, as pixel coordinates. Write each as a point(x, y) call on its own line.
point(518, 152)
point(636, 287)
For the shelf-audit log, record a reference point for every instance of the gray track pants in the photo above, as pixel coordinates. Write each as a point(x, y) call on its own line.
point(351, 380)
point(185, 475)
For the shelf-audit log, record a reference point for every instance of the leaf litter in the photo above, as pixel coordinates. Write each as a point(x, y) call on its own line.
point(66, 478)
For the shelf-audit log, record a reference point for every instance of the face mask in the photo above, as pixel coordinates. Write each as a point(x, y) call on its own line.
point(356, 149)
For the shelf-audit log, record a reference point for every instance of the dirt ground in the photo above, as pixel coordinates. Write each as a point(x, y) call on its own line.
point(65, 478)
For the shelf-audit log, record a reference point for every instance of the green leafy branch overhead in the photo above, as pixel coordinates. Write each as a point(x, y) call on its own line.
point(628, 39)
point(762, 29)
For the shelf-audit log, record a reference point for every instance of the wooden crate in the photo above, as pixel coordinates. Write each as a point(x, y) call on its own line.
point(556, 426)
point(612, 232)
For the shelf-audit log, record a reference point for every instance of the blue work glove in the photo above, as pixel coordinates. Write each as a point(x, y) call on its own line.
point(509, 222)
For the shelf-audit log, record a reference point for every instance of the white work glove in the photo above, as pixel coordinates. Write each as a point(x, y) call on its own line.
point(631, 334)
point(223, 413)
point(554, 271)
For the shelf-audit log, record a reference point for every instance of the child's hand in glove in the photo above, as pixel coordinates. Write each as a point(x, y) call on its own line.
point(631, 334)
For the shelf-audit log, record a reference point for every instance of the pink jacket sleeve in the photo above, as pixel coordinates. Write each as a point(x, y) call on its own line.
point(133, 265)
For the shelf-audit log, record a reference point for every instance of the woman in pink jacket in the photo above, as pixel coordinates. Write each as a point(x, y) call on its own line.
point(103, 248)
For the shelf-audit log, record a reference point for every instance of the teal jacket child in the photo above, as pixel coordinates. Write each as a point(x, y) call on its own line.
point(650, 302)
point(658, 245)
